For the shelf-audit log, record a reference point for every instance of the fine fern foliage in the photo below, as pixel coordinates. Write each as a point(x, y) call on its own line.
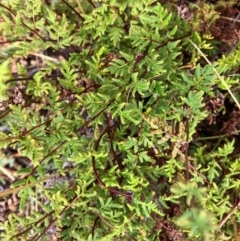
point(109, 116)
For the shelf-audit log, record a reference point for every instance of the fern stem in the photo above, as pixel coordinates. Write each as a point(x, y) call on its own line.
point(78, 14)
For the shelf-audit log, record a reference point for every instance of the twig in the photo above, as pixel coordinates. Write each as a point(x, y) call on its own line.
point(7, 173)
point(44, 57)
point(224, 220)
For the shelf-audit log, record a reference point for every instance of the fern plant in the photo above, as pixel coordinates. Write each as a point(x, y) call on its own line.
point(108, 119)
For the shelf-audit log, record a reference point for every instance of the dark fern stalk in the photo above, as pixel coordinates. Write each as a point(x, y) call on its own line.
point(117, 120)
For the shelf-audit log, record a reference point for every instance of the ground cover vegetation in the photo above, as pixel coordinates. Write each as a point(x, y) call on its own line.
point(119, 120)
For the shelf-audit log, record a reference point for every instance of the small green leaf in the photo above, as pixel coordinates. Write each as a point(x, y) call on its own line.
point(18, 183)
point(5, 74)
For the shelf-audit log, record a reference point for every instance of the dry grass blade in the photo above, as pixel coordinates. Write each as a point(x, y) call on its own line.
point(17, 189)
point(218, 75)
